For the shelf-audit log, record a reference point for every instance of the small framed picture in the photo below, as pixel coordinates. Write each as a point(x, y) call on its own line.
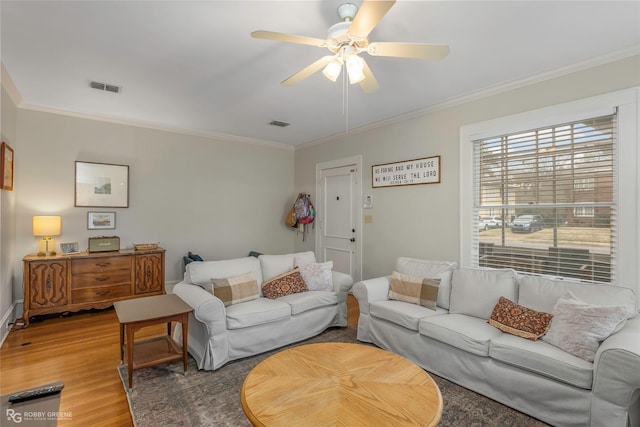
point(69, 248)
point(6, 167)
point(101, 220)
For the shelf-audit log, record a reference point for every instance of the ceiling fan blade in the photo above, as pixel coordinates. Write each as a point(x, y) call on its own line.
point(409, 50)
point(369, 84)
point(307, 71)
point(368, 16)
point(281, 37)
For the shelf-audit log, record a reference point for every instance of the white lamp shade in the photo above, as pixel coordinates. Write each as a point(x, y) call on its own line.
point(46, 226)
point(333, 68)
point(355, 68)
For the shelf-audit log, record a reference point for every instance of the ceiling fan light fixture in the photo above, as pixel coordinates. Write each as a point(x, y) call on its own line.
point(333, 68)
point(355, 68)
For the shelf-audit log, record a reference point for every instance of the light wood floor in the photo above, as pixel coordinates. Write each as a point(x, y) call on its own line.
point(80, 350)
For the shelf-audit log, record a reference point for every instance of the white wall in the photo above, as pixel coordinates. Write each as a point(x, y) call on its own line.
point(216, 198)
point(423, 221)
point(8, 114)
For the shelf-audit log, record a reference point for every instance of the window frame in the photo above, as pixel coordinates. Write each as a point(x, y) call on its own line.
point(627, 270)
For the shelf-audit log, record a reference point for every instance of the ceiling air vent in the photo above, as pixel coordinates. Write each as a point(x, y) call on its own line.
point(105, 87)
point(279, 123)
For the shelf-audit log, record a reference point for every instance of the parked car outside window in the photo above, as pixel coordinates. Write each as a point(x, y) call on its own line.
point(527, 224)
point(483, 224)
point(493, 221)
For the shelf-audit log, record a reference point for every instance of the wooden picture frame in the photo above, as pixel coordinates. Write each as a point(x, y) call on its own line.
point(425, 170)
point(6, 167)
point(101, 220)
point(69, 248)
point(101, 185)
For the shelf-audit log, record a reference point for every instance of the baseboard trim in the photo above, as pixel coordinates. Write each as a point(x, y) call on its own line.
point(7, 318)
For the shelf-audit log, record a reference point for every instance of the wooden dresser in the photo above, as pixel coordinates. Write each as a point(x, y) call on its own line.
point(82, 281)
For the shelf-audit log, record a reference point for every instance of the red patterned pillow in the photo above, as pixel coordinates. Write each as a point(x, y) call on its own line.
point(287, 283)
point(521, 321)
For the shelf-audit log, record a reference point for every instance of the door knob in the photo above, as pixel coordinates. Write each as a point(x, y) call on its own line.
point(352, 239)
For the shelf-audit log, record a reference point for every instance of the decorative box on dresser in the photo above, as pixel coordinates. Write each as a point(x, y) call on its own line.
point(74, 282)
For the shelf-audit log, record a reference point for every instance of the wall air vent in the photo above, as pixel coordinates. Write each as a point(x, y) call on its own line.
point(105, 87)
point(279, 123)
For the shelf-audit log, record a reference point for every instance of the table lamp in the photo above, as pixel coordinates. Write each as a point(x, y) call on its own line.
point(45, 227)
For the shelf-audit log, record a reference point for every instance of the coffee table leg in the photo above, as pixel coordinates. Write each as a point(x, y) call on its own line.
point(130, 331)
point(185, 325)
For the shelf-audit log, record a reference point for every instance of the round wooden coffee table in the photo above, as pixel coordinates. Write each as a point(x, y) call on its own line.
point(340, 384)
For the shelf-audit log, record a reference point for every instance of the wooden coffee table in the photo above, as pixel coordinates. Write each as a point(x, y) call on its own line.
point(134, 314)
point(340, 384)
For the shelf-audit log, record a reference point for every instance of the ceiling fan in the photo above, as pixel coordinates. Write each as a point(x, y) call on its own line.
point(347, 39)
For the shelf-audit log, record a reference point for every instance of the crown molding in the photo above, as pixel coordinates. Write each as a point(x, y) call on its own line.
point(183, 131)
point(484, 93)
point(10, 87)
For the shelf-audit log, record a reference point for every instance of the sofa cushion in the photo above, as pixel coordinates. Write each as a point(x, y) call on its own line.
point(236, 289)
point(304, 258)
point(433, 269)
point(283, 284)
point(256, 312)
point(402, 313)
point(273, 265)
point(305, 301)
point(414, 290)
point(579, 328)
point(542, 358)
point(317, 276)
point(475, 291)
point(518, 320)
point(200, 273)
point(467, 333)
point(542, 294)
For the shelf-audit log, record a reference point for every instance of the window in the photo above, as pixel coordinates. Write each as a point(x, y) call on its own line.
point(547, 249)
point(555, 188)
point(584, 212)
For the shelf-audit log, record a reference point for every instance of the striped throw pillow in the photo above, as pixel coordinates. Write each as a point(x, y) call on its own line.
point(236, 289)
point(415, 290)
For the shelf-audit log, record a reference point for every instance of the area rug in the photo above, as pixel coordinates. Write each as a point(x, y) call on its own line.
point(163, 396)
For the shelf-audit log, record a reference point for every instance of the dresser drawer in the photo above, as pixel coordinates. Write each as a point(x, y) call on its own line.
point(100, 293)
point(87, 280)
point(101, 264)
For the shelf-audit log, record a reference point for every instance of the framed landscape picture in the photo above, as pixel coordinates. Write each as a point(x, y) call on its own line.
point(6, 167)
point(101, 185)
point(101, 220)
point(69, 248)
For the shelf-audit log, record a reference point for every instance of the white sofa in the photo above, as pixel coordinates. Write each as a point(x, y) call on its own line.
point(456, 342)
point(219, 334)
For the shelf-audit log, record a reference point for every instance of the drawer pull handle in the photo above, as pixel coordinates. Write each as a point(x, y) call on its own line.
point(102, 279)
point(102, 293)
point(103, 264)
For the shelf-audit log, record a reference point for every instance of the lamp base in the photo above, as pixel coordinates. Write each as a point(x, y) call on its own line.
point(46, 247)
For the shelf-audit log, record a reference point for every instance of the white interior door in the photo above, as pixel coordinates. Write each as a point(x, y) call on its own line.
point(339, 232)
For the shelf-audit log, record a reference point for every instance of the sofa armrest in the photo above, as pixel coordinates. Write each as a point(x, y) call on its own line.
point(371, 290)
point(207, 308)
point(342, 282)
point(616, 378)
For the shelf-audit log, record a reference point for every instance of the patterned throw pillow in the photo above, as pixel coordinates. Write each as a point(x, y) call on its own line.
point(317, 276)
point(287, 283)
point(579, 328)
point(415, 290)
point(521, 321)
point(233, 290)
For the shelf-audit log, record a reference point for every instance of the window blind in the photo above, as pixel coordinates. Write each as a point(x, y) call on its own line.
point(545, 200)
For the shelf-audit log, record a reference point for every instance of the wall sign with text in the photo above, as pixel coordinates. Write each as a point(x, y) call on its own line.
point(408, 172)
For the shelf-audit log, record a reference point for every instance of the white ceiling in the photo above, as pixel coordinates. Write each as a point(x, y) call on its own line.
point(193, 65)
